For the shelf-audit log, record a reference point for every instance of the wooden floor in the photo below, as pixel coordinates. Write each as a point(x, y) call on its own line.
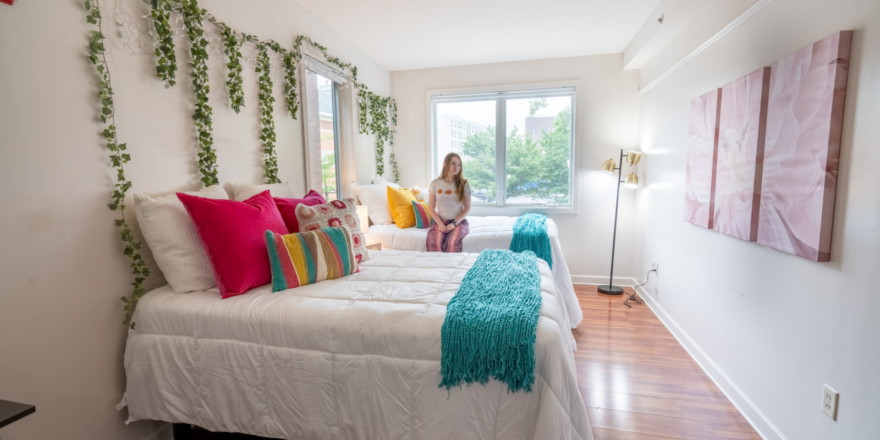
point(638, 383)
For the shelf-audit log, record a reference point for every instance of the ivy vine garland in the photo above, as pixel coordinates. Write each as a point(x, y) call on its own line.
point(119, 158)
point(165, 56)
point(232, 49)
point(267, 121)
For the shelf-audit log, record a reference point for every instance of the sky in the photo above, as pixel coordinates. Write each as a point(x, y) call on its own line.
point(483, 112)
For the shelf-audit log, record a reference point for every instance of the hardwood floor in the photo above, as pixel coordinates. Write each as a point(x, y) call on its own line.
point(637, 381)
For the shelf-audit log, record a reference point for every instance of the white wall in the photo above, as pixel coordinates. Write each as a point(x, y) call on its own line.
point(775, 327)
point(607, 113)
point(61, 263)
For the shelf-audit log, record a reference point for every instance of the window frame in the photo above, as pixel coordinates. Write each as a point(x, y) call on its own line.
point(337, 147)
point(500, 94)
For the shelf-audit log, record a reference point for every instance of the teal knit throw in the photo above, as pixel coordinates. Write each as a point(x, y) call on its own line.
point(491, 322)
point(530, 234)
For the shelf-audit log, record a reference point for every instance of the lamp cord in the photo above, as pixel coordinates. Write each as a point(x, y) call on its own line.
point(635, 296)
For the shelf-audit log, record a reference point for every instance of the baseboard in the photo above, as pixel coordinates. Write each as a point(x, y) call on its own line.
point(595, 280)
point(753, 415)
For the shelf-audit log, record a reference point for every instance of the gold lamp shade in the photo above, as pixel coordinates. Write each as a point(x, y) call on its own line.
point(633, 157)
point(609, 166)
point(632, 181)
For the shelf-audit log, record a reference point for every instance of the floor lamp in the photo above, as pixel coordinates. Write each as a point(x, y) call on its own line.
point(632, 181)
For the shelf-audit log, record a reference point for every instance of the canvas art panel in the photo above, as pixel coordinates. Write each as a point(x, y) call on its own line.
point(701, 159)
point(804, 122)
point(741, 129)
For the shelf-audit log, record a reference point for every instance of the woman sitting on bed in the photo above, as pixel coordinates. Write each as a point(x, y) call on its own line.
point(450, 200)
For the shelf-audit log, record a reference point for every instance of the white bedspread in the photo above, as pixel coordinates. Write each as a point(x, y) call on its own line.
point(495, 232)
point(356, 358)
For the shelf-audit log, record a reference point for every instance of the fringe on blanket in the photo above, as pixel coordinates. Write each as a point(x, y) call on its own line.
point(491, 322)
point(530, 234)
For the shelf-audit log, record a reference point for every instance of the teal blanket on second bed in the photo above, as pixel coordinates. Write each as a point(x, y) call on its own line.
point(491, 322)
point(530, 234)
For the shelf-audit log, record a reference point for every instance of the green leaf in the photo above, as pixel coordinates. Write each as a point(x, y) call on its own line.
point(91, 19)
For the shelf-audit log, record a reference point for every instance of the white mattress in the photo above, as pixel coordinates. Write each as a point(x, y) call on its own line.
point(495, 232)
point(355, 358)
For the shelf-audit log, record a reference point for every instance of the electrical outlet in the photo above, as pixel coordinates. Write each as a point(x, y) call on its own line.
point(655, 267)
point(829, 402)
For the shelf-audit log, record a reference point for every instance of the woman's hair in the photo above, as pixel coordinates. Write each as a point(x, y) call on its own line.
point(459, 179)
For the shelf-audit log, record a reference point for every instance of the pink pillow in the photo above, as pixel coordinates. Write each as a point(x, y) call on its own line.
point(287, 208)
point(233, 235)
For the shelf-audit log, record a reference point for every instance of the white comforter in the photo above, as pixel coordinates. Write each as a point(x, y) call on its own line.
point(495, 232)
point(356, 358)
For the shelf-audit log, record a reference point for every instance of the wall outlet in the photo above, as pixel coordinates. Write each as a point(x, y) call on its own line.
point(829, 402)
point(655, 267)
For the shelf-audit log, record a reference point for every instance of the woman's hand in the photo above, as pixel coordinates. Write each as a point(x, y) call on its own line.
point(450, 227)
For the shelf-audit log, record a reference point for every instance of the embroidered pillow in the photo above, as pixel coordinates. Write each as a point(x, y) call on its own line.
point(309, 257)
point(418, 193)
point(423, 218)
point(401, 210)
point(232, 234)
point(333, 214)
point(287, 208)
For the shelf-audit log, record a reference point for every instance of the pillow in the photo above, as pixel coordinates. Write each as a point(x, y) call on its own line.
point(171, 236)
point(232, 233)
point(421, 212)
point(244, 191)
point(401, 210)
point(418, 193)
point(287, 208)
point(335, 213)
point(309, 257)
point(375, 199)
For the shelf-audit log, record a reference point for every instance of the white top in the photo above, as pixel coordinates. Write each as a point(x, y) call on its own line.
point(448, 205)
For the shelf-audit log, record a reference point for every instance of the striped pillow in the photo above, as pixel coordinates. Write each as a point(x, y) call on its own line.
point(423, 219)
point(310, 257)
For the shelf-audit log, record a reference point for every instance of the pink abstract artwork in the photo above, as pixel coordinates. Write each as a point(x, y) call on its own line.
point(741, 130)
point(804, 122)
point(702, 154)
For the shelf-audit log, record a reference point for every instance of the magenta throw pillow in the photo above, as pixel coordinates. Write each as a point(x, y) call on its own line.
point(233, 235)
point(287, 208)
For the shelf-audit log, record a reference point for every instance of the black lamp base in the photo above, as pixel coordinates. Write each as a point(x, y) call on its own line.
point(611, 290)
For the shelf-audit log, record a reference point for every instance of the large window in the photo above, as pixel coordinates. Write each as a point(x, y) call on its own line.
point(516, 147)
point(322, 117)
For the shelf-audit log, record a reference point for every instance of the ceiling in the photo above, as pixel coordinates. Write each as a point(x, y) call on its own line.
point(414, 34)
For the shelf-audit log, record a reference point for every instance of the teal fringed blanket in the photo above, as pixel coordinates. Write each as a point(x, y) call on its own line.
point(491, 322)
point(530, 234)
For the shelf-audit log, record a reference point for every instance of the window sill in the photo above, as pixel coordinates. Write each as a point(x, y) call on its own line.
point(520, 210)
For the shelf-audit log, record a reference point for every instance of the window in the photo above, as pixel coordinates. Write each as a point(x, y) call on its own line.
point(322, 117)
point(516, 146)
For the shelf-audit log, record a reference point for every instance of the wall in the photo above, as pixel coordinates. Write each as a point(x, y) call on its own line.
point(61, 338)
point(770, 327)
point(607, 113)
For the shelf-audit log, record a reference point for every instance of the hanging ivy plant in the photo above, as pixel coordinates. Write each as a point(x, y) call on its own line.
point(118, 157)
point(267, 121)
point(166, 69)
point(193, 16)
point(290, 83)
point(232, 49)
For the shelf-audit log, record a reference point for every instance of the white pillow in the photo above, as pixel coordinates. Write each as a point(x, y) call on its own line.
point(173, 240)
point(375, 197)
point(244, 191)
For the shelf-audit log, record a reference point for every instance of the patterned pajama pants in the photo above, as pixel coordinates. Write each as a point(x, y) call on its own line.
point(439, 241)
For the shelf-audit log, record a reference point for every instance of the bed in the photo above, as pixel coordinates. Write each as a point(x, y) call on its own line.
point(354, 358)
point(494, 232)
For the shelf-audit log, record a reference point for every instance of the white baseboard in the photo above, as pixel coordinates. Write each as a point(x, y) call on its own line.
point(753, 415)
point(595, 280)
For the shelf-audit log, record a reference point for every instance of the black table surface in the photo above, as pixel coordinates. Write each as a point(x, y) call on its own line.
point(12, 411)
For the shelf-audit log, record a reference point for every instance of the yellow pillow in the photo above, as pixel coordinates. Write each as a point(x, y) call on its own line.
point(399, 202)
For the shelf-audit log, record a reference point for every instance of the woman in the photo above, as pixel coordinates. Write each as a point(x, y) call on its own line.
point(449, 199)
